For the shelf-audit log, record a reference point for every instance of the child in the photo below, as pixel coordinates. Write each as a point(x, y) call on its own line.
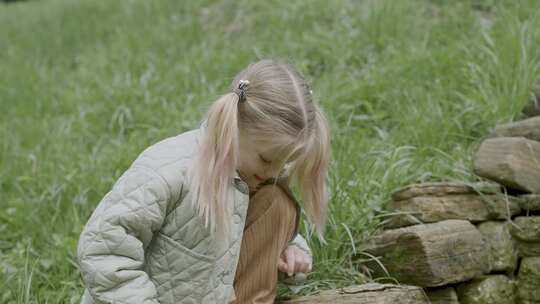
point(207, 216)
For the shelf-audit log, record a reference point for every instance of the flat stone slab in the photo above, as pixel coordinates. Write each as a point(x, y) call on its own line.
point(370, 293)
point(528, 283)
point(529, 202)
point(430, 209)
point(511, 161)
point(443, 189)
point(528, 128)
point(489, 289)
point(503, 254)
point(442, 295)
point(430, 255)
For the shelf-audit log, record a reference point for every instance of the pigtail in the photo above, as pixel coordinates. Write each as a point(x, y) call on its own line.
point(311, 170)
point(215, 163)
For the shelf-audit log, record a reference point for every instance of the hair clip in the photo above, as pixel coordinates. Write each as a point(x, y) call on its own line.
point(241, 89)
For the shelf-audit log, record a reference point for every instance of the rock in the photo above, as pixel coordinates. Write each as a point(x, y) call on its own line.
point(511, 161)
point(528, 249)
point(444, 189)
point(489, 289)
point(526, 228)
point(370, 293)
point(503, 252)
point(526, 233)
point(528, 284)
point(429, 209)
point(430, 255)
point(528, 128)
point(529, 202)
point(442, 295)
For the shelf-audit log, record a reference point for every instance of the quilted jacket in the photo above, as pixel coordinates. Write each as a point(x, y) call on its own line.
point(144, 242)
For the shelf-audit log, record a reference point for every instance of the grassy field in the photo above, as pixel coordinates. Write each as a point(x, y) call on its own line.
point(410, 87)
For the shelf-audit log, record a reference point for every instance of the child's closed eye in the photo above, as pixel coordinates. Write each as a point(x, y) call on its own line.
point(264, 160)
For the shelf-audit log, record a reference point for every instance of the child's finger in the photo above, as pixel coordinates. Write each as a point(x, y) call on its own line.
point(306, 265)
point(282, 266)
point(302, 263)
point(309, 262)
point(289, 254)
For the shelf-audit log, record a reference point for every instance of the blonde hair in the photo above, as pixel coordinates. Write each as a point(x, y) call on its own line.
point(278, 110)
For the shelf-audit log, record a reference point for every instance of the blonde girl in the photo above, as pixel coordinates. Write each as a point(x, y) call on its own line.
point(207, 216)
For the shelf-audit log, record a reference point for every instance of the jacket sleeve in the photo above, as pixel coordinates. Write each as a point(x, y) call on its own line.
point(301, 243)
point(110, 251)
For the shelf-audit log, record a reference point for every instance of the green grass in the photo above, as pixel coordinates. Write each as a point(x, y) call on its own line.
point(411, 87)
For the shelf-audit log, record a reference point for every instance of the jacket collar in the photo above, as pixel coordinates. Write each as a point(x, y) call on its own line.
point(240, 184)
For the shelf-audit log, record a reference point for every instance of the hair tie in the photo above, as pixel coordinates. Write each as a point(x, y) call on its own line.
point(241, 89)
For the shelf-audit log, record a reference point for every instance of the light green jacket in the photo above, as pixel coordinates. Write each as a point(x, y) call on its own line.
point(144, 243)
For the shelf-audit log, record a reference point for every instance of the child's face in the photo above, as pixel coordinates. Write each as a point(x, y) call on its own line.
point(257, 162)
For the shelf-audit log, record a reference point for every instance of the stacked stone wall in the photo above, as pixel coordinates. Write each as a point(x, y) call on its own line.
point(462, 243)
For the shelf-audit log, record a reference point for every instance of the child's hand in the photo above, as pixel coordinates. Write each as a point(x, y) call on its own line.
point(294, 259)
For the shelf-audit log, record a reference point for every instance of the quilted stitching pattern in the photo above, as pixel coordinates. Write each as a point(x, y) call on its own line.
point(143, 244)
point(111, 247)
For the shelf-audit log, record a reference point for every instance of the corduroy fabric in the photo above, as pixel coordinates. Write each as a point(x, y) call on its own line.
point(270, 225)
